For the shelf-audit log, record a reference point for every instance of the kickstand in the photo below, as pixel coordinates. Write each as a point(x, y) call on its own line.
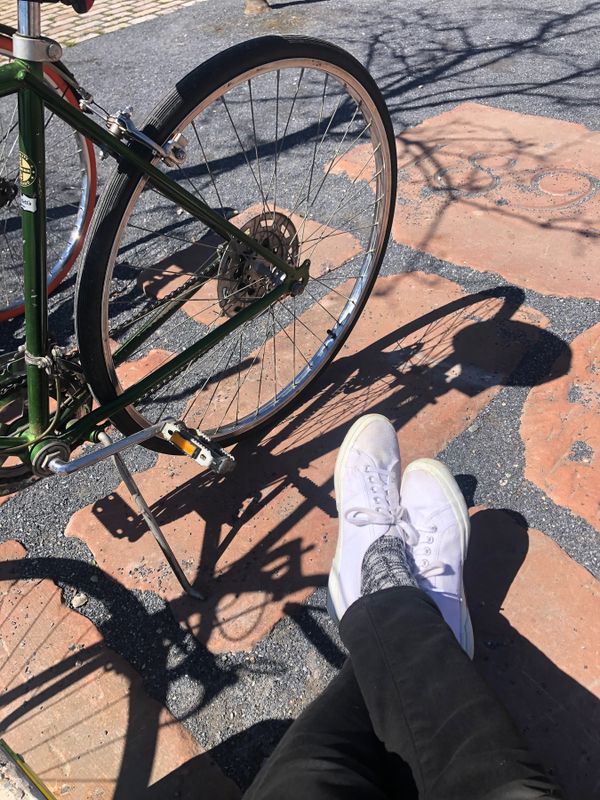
point(151, 521)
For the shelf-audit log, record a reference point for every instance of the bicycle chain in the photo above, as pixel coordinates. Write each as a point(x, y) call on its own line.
point(156, 304)
point(152, 306)
point(7, 386)
point(11, 382)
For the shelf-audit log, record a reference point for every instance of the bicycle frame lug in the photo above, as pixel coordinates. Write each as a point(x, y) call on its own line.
point(45, 453)
point(298, 286)
point(40, 49)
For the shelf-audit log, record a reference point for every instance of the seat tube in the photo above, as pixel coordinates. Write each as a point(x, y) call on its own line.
point(33, 215)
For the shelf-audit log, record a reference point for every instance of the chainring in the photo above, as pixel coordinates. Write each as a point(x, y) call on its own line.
point(16, 474)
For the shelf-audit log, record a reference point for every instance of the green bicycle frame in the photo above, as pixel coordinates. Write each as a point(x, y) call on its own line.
point(26, 78)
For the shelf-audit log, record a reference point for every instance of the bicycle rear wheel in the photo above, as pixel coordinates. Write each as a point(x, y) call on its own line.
point(289, 138)
point(70, 191)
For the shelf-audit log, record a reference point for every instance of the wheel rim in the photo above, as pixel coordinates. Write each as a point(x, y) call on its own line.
point(71, 188)
point(348, 153)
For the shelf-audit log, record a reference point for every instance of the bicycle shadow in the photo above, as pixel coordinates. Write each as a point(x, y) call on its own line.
point(31, 697)
point(268, 534)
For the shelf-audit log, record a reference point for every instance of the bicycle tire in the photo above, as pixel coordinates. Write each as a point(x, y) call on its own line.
point(126, 188)
point(74, 239)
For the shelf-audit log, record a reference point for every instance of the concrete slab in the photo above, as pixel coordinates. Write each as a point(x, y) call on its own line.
point(78, 713)
point(265, 538)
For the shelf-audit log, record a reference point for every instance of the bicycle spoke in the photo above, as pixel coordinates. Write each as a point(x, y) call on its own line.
point(278, 150)
point(266, 145)
point(235, 130)
point(210, 173)
point(256, 155)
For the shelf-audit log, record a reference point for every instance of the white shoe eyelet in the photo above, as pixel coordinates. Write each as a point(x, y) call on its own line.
point(424, 563)
point(427, 552)
point(430, 540)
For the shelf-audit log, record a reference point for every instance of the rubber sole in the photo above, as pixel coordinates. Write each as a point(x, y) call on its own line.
point(442, 475)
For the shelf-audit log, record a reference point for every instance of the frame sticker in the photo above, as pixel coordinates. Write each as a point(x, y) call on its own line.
point(27, 171)
point(28, 203)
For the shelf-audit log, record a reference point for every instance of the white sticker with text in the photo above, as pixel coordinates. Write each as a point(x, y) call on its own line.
point(28, 203)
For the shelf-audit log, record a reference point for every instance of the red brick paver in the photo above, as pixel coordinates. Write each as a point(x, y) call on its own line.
point(78, 713)
point(503, 192)
point(423, 353)
point(561, 431)
point(62, 23)
point(536, 617)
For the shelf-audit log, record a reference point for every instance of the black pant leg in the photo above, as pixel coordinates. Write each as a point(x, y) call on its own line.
point(331, 753)
point(428, 704)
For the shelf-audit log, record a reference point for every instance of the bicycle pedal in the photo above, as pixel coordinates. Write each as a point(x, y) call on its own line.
point(199, 447)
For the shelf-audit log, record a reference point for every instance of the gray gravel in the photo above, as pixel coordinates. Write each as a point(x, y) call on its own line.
point(540, 59)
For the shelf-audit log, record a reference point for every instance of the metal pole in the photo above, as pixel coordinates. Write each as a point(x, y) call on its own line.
point(155, 530)
point(29, 17)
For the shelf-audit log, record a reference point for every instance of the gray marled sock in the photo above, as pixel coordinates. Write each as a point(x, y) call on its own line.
point(385, 565)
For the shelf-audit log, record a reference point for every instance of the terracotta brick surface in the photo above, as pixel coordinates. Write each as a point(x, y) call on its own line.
point(502, 192)
point(561, 432)
point(62, 23)
point(266, 537)
point(78, 713)
point(535, 614)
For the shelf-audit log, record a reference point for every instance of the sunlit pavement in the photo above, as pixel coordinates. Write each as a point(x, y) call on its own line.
point(481, 344)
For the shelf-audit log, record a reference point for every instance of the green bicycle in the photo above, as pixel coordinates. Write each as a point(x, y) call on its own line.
point(228, 258)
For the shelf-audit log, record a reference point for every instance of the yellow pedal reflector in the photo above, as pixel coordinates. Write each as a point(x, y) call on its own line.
point(183, 444)
point(198, 446)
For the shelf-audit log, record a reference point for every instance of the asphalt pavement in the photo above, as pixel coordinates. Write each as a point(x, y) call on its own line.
point(539, 59)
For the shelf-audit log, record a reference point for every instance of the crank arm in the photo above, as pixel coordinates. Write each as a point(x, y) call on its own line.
point(193, 443)
point(51, 463)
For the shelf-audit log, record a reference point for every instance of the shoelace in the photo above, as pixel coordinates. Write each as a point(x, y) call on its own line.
point(396, 516)
point(386, 510)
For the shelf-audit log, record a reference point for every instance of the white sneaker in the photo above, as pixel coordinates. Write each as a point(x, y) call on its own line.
point(366, 481)
point(438, 541)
